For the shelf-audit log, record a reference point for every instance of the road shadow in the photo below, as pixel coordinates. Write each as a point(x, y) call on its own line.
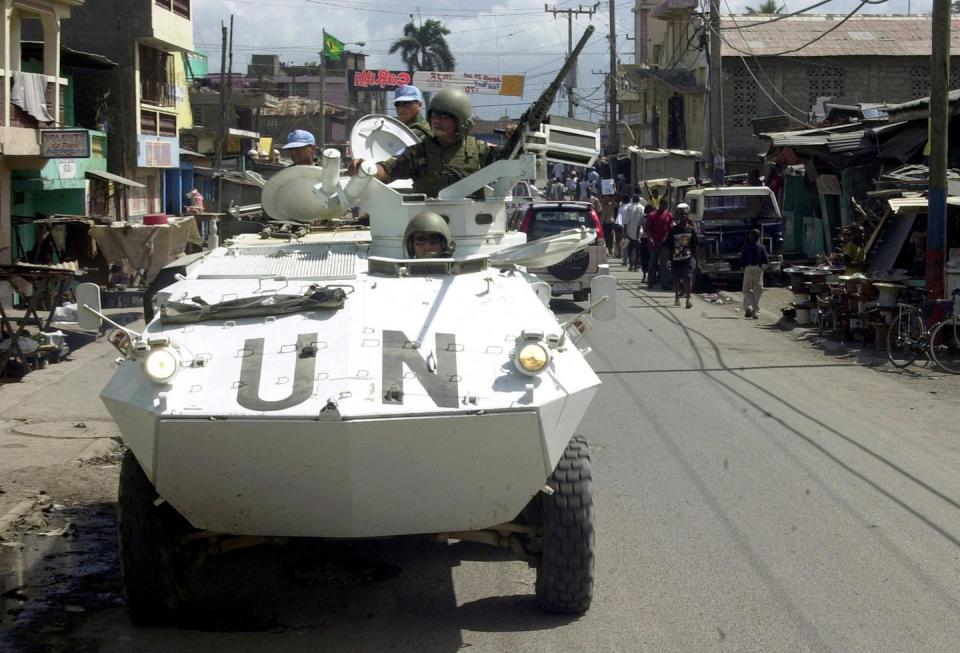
point(346, 595)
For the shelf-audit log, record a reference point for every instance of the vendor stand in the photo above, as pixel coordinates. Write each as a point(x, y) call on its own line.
point(146, 248)
point(49, 284)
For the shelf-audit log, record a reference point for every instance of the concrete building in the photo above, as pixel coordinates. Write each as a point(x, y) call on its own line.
point(31, 100)
point(773, 73)
point(148, 39)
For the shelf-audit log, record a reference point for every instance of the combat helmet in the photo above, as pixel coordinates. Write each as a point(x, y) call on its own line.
point(455, 102)
point(431, 223)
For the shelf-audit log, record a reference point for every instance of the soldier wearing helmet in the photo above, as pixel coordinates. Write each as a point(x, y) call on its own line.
point(428, 236)
point(444, 158)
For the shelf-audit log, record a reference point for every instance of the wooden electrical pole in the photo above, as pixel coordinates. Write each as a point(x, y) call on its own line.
point(218, 160)
point(612, 123)
point(571, 79)
point(939, 120)
point(713, 149)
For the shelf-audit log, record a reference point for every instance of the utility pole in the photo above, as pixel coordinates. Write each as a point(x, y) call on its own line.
point(714, 146)
point(321, 141)
point(939, 119)
point(612, 123)
point(218, 160)
point(572, 78)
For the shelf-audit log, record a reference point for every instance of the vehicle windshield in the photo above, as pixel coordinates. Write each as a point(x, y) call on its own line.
point(738, 206)
point(549, 223)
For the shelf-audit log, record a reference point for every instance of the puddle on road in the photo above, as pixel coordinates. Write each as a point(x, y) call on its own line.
point(47, 582)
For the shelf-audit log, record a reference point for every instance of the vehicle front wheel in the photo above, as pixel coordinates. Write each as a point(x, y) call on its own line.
point(565, 570)
point(148, 535)
point(581, 295)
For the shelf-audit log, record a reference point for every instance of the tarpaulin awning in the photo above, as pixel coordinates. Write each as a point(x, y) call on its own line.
point(109, 176)
point(146, 247)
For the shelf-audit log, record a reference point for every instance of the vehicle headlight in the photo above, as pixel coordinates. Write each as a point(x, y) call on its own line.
point(160, 365)
point(531, 358)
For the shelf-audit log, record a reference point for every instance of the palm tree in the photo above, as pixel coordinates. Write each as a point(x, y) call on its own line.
point(424, 47)
point(766, 7)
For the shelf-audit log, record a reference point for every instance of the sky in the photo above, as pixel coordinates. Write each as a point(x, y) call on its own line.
point(508, 37)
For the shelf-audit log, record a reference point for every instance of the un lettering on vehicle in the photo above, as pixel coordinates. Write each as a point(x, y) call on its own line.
point(436, 372)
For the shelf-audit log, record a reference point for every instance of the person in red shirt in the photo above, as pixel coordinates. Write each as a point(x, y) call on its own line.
point(657, 226)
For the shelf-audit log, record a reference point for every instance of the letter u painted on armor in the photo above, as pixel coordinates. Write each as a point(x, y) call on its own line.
point(251, 369)
point(440, 382)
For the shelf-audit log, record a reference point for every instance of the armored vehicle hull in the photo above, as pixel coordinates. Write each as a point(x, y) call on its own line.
point(366, 420)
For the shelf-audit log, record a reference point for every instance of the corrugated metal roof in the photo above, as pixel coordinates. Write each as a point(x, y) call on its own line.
point(897, 36)
point(920, 109)
point(915, 204)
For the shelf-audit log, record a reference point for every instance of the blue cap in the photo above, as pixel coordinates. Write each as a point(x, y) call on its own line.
point(407, 93)
point(299, 138)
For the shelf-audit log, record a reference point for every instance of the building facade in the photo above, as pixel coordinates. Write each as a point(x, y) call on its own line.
point(777, 72)
point(31, 100)
point(149, 40)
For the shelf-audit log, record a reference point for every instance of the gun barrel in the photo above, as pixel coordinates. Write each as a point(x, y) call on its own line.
point(540, 109)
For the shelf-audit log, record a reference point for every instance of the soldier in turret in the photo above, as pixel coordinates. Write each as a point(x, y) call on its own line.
point(444, 158)
point(428, 236)
point(408, 101)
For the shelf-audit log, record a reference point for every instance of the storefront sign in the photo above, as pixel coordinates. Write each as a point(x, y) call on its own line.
point(378, 80)
point(471, 83)
point(64, 143)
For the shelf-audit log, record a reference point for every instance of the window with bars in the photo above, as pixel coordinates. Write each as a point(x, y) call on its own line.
point(157, 81)
point(744, 98)
point(179, 7)
point(920, 81)
point(824, 82)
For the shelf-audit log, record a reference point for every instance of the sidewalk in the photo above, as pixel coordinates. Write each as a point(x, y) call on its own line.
point(52, 426)
point(933, 379)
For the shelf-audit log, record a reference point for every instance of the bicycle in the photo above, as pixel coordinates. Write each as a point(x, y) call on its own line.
point(945, 339)
point(908, 336)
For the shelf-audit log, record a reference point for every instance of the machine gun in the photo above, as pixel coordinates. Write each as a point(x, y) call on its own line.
point(538, 112)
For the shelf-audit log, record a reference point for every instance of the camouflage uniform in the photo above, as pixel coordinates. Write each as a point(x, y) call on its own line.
point(433, 166)
point(421, 128)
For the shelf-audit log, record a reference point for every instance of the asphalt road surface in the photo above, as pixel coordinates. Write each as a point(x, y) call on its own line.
point(753, 493)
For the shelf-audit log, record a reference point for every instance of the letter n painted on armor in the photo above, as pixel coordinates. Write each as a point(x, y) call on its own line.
point(251, 369)
point(440, 382)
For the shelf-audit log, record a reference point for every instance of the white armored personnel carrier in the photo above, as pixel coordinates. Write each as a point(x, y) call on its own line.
point(334, 387)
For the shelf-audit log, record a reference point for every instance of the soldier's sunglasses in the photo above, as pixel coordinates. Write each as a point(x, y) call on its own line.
point(428, 239)
point(443, 115)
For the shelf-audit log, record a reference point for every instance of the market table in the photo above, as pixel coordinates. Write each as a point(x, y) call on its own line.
point(50, 283)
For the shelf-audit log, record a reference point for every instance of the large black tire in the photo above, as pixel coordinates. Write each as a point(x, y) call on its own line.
point(152, 566)
point(565, 571)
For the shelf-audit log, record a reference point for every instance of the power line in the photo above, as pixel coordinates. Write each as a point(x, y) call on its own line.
point(811, 41)
point(760, 68)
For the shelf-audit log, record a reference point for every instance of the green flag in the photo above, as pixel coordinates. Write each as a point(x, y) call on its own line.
point(332, 47)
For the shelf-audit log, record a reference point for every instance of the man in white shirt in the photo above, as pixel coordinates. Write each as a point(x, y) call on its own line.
point(634, 217)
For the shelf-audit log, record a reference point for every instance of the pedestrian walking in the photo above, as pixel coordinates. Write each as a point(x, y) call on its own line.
point(635, 215)
point(753, 257)
point(681, 243)
point(556, 190)
point(621, 222)
point(657, 227)
point(572, 186)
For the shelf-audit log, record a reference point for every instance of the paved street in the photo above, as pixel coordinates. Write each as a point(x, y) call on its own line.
point(754, 493)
